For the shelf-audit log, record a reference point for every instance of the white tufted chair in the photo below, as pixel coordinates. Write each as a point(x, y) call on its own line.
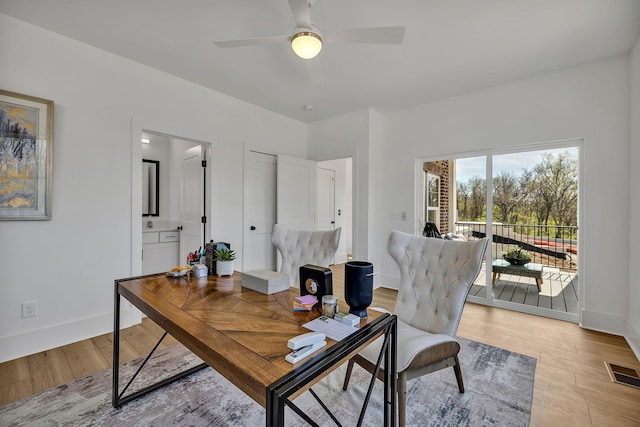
point(300, 247)
point(435, 278)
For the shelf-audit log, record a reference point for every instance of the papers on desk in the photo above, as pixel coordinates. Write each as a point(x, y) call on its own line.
point(331, 328)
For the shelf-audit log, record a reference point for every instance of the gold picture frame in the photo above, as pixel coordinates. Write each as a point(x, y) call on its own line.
point(26, 157)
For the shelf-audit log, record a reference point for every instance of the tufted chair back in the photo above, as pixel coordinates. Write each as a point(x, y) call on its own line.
point(435, 278)
point(300, 247)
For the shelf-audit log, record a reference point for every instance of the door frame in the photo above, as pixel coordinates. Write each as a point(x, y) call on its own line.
point(356, 249)
point(489, 154)
point(137, 129)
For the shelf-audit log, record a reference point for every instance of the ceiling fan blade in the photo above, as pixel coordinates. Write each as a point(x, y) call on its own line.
point(314, 71)
point(300, 10)
point(252, 41)
point(378, 35)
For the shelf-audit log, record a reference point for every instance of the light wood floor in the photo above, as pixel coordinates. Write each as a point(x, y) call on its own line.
point(572, 386)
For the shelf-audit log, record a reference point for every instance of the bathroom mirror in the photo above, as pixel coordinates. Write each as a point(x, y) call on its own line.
point(150, 187)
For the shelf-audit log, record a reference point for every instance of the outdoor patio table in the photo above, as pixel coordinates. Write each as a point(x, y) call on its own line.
point(531, 269)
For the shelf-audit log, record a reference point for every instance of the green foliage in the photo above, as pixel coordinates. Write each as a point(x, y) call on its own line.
point(545, 194)
point(516, 253)
point(224, 254)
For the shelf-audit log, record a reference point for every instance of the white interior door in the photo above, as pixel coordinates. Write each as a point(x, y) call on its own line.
point(326, 199)
point(296, 193)
point(259, 211)
point(192, 202)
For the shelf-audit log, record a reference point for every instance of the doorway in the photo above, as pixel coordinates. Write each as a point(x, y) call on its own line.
point(525, 198)
point(183, 200)
point(332, 200)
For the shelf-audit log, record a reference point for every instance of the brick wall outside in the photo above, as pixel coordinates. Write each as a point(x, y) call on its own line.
point(441, 168)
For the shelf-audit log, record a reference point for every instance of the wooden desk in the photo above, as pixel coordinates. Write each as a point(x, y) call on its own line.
point(243, 335)
point(531, 269)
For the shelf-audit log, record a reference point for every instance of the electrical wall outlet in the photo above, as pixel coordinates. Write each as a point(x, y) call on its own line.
point(29, 309)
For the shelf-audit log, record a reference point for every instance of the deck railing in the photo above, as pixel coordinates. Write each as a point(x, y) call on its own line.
point(549, 245)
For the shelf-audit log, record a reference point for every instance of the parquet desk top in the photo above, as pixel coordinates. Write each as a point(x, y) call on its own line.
point(241, 333)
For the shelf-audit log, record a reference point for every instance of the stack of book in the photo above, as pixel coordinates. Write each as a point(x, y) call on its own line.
point(304, 303)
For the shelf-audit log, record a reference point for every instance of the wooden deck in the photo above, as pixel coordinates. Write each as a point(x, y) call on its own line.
point(559, 290)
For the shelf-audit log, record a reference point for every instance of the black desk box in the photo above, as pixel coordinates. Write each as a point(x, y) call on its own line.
point(316, 281)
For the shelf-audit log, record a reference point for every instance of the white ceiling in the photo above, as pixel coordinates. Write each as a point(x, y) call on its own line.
point(450, 47)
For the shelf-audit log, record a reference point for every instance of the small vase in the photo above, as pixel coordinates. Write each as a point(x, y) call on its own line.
point(358, 286)
point(224, 268)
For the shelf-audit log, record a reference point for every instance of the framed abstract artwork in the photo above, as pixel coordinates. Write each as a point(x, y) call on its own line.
point(26, 150)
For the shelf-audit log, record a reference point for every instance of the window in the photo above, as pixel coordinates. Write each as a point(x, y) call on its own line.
point(432, 198)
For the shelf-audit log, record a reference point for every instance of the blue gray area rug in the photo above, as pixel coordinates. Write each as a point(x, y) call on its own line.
point(498, 392)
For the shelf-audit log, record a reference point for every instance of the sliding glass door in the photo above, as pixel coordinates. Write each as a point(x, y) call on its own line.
point(526, 202)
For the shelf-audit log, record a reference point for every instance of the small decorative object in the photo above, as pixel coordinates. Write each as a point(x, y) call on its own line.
point(224, 261)
point(199, 270)
point(178, 271)
point(26, 151)
point(516, 256)
point(346, 318)
point(304, 302)
point(329, 305)
point(265, 281)
point(358, 286)
point(210, 258)
point(316, 281)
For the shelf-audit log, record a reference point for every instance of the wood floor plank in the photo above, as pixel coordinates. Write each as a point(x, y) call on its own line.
point(84, 358)
point(563, 405)
point(127, 352)
point(604, 418)
point(545, 417)
point(103, 340)
point(552, 371)
point(10, 392)
point(620, 391)
point(49, 369)
point(139, 338)
point(592, 398)
point(14, 370)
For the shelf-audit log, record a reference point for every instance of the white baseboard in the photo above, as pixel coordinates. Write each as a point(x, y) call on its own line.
point(37, 340)
point(602, 322)
point(633, 339)
point(390, 282)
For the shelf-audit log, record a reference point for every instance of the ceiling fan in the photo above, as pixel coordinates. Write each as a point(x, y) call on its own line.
point(307, 41)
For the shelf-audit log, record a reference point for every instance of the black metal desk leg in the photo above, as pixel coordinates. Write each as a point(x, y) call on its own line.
point(118, 398)
point(391, 380)
point(116, 346)
point(275, 409)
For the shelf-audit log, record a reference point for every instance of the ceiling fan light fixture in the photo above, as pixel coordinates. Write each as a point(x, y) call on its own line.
point(306, 44)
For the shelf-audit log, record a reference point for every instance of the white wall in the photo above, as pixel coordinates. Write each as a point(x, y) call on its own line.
point(634, 200)
point(102, 103)
point(589, 102)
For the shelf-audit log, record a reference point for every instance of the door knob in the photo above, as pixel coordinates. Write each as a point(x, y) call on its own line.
point(253, 227)
point(179, 227)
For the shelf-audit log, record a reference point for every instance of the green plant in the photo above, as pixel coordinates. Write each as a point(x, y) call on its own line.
point(516, 253)
point(224, 254)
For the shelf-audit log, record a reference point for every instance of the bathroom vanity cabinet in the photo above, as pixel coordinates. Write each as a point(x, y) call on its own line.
point(160, 250)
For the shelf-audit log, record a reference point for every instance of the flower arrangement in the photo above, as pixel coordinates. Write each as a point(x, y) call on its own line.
point(516, 255)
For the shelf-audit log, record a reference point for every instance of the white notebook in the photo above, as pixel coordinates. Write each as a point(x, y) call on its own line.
point(331, 328)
